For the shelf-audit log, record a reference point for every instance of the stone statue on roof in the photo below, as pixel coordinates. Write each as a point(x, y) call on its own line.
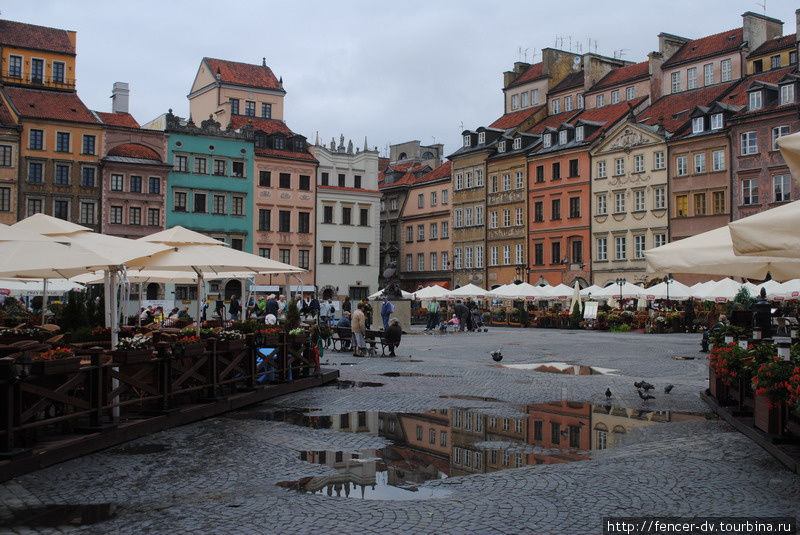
point(350, 147)
point(333, 145)
point(340, 148)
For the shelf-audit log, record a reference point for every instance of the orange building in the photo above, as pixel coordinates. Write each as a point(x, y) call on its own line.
point(9, 170)
point(36, 56)
point(562, 425)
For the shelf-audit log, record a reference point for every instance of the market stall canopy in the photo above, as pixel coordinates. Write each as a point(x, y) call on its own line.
point(377, 295)
point(771, 287)
point(789, 290)
point(431, 292)
point(470, 290)
point(561, 291)
point(711, 253)
point(517, 291)
point(677, 291)
point(721, 291)
point(629, 291)
point(593, 289)
point(145, 276)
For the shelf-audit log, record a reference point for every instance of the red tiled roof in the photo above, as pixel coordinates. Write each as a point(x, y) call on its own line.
point(440, 172)
point(125, 120)
point(672, 111)
point(608, 115)
point(268, 126)
point(738, 96)
point(623, 75)
point(40, 104)
point(6, 119)
point(408, 166)
point(532, 73)
point(711, 45)
point(341, 188)
point(772, 45)
point(383, 163)
point(23, 35)
point(134, 150)
point(553, 121)
point(234, 72)
point(406, 179)
point(515, 118)
point(571, 81)
point(286, 154)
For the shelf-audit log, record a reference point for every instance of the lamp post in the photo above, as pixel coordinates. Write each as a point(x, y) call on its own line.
point(521, 270)
point(667, 282)
point(621, 283)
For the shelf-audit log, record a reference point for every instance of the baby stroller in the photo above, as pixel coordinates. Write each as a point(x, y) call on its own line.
point(477, 320)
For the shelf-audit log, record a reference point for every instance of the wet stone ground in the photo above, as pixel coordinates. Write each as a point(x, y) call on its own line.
point(438, 440)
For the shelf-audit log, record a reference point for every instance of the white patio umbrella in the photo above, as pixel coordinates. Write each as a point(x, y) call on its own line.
point(190, 251)
point(593, 289)
point(517, 291)
point(434, 291)
point(470, 290)
point(789, 290)
point(377, 295)
point(712, 253)
point(629, 291)
point(721, 291)
point(677, 291)
point(560, 291)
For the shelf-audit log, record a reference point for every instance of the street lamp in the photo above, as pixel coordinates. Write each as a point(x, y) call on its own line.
point(667, 281)
point(620, 282)
point(521, 270)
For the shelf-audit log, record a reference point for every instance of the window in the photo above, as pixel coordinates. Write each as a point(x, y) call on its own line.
point(777, 132)
point(218, 205)
point(574, 207)
point(681, 206)
point(266, 110)
point(284, 218)
point(363, 217)
point(36, 139)
point(699, 204)
point(775, 62)
point(782, 187)
point(179, 202)
point(341, 179)
point(61, 209)
point(481, 138)
point(238, 206)
point(35, 173)
point(250, 108)
point(546, 141)
point(555, 209)
point(577, 252)
point(506, 218)
point(506, 255)
point(555, 432)
point(434, 231)
point(285, 256)
point(5, 155)
point(660, 198)
point(445, 229)
point(600, 100)
point(153, 217)
point(718, 199)
point(556, 171)
point(601, 169)
point(479, 178)
point(754, 101)
point(5, 199)
point(562, 137)
point(87, 177)
point(638, 200)
point(534, 96)
point(658, 159)
point(514, 102)
point(89, 144)
point(700, 163)
point(445, 260)
point(200, 165)
point(409, 233)
point(327, 254)
point(458, 218)
point(501, 147)
point(619, 166)
point(749, 143)
point(638, 163)
point(524, 99)
point(284, 181)
point(697, 125)
point(573, 168)
point(708, 73)
point(136, 184)
point(659, 240)
point(62, 175)
point(345, 254)
point(725, 69)
point(237, 169)
point(716, 121)
point(602, 206)
point(691, 78)
point(219, 167)
point(199, 202)
point(517, 143)
point(434, 199)
point(87, 210)
point(619, 203)
point(34, 206)
point(116, 215)
point(15, 66)
point(420, 232)
point(629, 93)
point(556, 105)
point(457, 258)
point(519, 183)
point(303, 258)
point(602, 249)
point(621, 248)
point(615, 96)
point(421, 201)
point(155, 185)
point(443, 438)
point(676, 82)
point(134, 215)
point(506, 182)
point(467, 140)
point(327, 214)
point(37, 71)
point(539, 173)
point(750, 191)
point(718, 160)
point(265, 178)
point(518, 253)
point(538, 254)
point(420, 261)
point(264, 218)
point(580, 102)
point(538, 211)
point(787, 94)
point(234, 106)
point(555, 252)
point(518, 217)
point(681, 166)
point(62, 141)
point(568, 103)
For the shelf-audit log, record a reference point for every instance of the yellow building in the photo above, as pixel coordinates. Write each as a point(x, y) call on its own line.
point(37, 56)
point(9, 157)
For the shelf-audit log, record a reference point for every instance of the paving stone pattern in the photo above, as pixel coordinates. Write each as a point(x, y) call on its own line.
point(219, 476)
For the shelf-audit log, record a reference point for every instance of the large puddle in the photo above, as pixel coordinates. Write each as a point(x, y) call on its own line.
point(563, 368)
point(454, 442)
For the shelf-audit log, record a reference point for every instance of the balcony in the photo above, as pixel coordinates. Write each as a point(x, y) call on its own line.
point(41, 81)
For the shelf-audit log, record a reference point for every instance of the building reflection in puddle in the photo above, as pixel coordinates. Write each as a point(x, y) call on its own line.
point(456, 442)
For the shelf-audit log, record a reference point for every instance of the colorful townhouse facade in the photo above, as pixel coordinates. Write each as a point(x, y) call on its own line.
point(9, 165)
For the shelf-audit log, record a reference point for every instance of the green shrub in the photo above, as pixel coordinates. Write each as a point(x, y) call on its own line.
point(292, 315)
point(621, 328)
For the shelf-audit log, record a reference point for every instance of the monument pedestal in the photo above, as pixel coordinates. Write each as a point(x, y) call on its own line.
point(402, 311)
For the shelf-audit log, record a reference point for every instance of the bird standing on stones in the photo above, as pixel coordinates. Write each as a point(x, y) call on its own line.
point(644, 385)
point(645, 397)
point(668, 389)
point(608, 393)
point(497, 356)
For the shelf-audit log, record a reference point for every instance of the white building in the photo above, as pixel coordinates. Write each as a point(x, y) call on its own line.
point(348, 220)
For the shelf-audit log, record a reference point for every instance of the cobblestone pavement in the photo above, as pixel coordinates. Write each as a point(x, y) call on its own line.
point(219, 476)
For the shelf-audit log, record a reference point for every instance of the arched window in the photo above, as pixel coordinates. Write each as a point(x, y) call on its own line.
point(402, 156)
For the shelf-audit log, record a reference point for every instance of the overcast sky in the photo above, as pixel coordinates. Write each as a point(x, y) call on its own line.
point(409, 70)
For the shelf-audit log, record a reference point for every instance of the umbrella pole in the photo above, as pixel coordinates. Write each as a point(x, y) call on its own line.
point(199, 299)
point(139, 310)
point(112, 280)
point(44, 300)
point(107, 296)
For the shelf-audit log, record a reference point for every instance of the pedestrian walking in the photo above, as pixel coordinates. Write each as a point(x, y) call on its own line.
point(359, 328)
point(234, 308)
point(433, 315)
point(387, 309)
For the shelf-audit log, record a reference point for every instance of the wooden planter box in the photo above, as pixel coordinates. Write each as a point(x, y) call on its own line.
point(296, 339)
point(233, 346)
point(55, 367)
point(130, 356)
point(768, 419)
point(716, 387)
point(193, 350)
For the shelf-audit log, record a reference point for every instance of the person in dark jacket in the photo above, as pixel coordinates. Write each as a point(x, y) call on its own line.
point(235, 308)
point(462, 313)
point(393, 335)
point(272, 305)
point(347, 306)
point(722, 323)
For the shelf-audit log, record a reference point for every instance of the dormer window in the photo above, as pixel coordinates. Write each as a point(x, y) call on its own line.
point(481, 138)
point(546, 141)
point(501, 147)
point(754, 100)
point(787, 94)
point(697, 125)
point(562, 137)
point(580, 102)
point(579, 133)
point(279, 143)
point(556, 105)
point(467, 141)
point(518, 143)
point(716, 121)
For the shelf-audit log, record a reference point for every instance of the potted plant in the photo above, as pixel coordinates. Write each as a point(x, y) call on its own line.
point(776, 384)
point(726, 363)
point(9, 336)
point(133, 349)
point(190, 345)
point(269, 336)
point(57, 361)
point(229, 340)
point(297, 336)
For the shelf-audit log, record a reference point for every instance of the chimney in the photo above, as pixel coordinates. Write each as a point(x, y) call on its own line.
point(119, 97)
point(510, 76)
point(668, 44)
point(655, 59)
point(758, 29)
point(797, 30)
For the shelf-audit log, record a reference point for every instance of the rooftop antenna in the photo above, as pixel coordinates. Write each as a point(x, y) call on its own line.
point(763, 5)
point(569, 37)
point(526, 54)
point(462, 126)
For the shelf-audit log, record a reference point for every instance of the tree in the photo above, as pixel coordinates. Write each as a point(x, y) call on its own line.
point(292, 315)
